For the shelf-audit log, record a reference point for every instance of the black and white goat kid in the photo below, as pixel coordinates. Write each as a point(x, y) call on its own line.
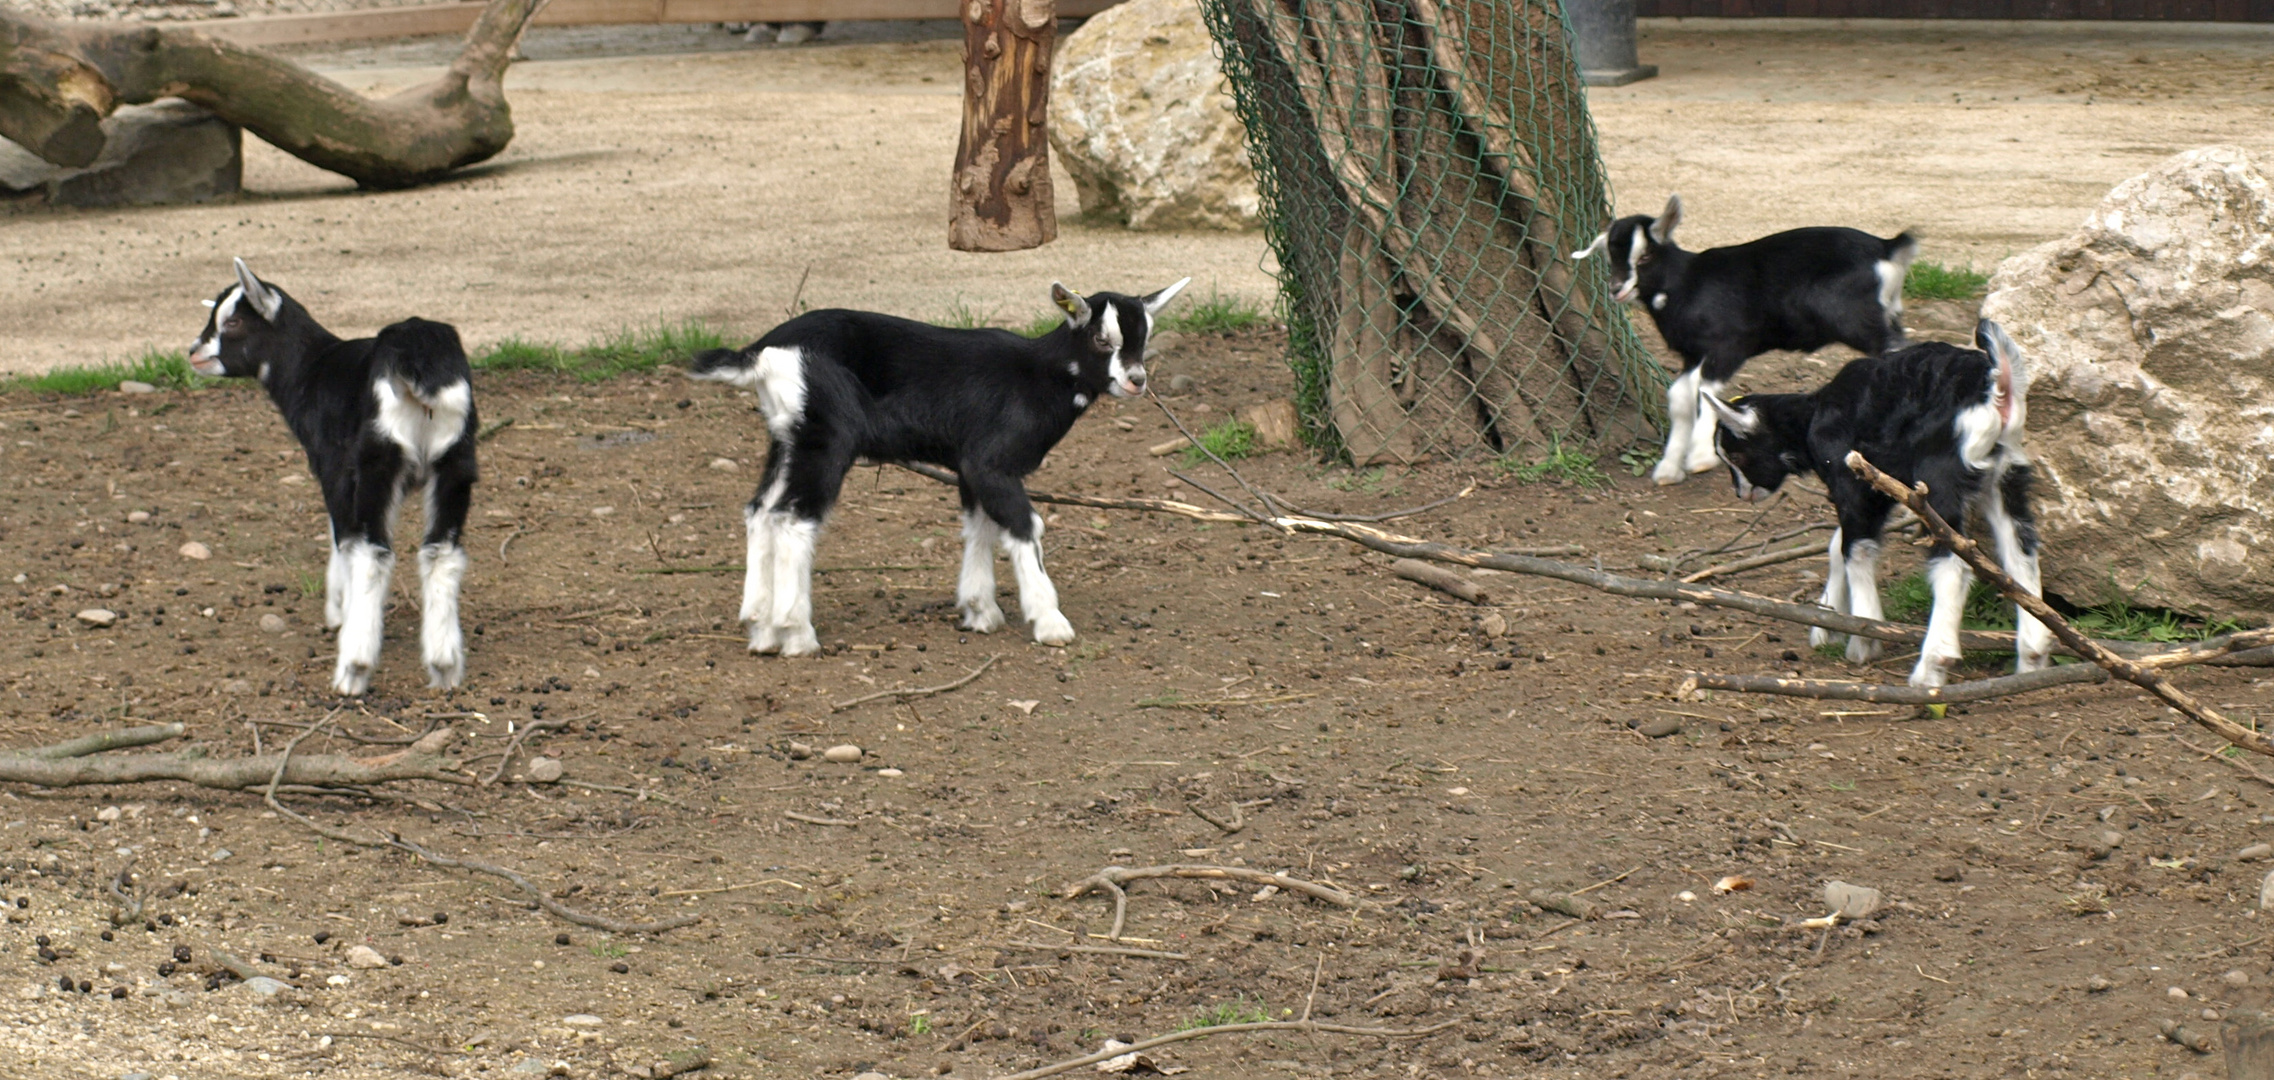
point(836, 385)
point(1934, 413)
point(377, 417)
point(1801, 290)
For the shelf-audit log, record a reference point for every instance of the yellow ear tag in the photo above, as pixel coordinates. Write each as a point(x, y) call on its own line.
point(1066, 303)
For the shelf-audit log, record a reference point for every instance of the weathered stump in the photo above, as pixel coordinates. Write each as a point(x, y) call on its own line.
point(1000, 198)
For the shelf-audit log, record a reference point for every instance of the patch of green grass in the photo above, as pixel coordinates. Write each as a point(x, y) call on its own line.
point(1239, 1010)
point(1217, 313)
point(920, 1024)
point(1637, 460)
point(1041, 325)
point(632, 349)
point(610, 950)
point(1572, 467)
point(2115, 619)
point(961, 316)
point(159, 368)
point(1934, 281)
point(1229, 440)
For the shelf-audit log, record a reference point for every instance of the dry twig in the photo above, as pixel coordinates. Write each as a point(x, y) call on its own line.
point(926, 691)
point(1988, 570)
point(1308, 1027)
point(811, 820)
point(1100, 950)
point(1771, 558)
point(1113, 878)
point(1890, 694)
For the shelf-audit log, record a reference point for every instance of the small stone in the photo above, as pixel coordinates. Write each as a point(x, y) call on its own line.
point(138, 517)
point(134, 1076)
point(1950, 872)
point(135, 386)
point(2176, 993)
point(1180, 383)
point(2255, 852)
point(195, 550)
point(2099, 984)
point(560, 939)
point(273, 623)
point(890, 774)
point(265, 986)
point(220, 855)
point(724, 464)
point(620, 968)
point(800, 751)
point(2266, 892)
point(1686, 896)
point(842, 754)
point(603, 511)
point(321, 936)
point(237, 687)
point(582, 1020)
point(98, 617)
point(872, 1076)
point(1660, 727)
point(545, 770)
point(338, 980)
point(2237, 977)
point(529, 1067)
point(109, 813)
point(1494, 624)
point(365, 958)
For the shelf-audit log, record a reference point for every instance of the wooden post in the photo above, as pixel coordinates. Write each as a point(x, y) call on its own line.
point(1000, 198)
point(2249, 1039)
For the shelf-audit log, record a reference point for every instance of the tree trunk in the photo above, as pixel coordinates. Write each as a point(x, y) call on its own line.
point(57, 80)
point(1000, 198)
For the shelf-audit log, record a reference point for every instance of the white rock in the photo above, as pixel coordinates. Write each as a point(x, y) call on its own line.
point(365, 958)
point(273, 623)
point(545, 770)
point(137, 517)
point(2255, 852)
point(195, 550)
point(2150, 343)
point(109, 813)
point(582, 1020)
point(842, 754)
point(1142, 120)
point(338, 980)
point(265, 986)
point(98, 617)
point(890, 774)
point(2266, 892)
point(136, 386)
point(724, 464)
point(603, 511)
point(2175, 993)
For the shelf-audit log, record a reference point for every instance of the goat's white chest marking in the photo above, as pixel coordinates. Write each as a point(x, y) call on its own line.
point(1081, 401)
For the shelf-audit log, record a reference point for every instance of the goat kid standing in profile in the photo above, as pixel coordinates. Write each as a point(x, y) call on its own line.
point(1933, 413)
point(837, 385)
point(1799, 290)
point(377, 417)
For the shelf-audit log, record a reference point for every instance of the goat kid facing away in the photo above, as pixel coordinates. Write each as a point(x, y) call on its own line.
point(1801, 290)
point(377, 417)
point(836, 385)
point(1934, 413)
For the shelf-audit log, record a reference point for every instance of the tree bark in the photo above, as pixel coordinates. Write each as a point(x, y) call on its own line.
point(1000, 198)
point(57, 80)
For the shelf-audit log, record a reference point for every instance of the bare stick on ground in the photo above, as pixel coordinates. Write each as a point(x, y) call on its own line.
point(1100, 950)
point(1988, 570)
point(1112, 879)
point(1442, 580)
point(1890, 694)
point(926, 691)
point(1755, 562)
point(1308, 1027)
point(74, 763)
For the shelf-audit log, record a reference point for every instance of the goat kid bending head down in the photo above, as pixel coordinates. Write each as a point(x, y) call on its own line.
point(377, 417)
point(837, 385)
point(1934, 413)
point(1801, 289)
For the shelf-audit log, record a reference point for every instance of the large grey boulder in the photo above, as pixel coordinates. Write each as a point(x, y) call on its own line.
point(1141, 119)
point(168, 151)
point(2150, 344)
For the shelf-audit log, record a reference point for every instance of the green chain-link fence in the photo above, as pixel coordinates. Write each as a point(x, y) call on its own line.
point(1427, 168)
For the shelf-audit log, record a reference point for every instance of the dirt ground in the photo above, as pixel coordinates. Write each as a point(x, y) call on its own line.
point(668, 173)
point(1371, 734)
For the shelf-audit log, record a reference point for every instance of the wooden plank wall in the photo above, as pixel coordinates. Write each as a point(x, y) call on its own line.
point(2156, 10)
point(422, 19)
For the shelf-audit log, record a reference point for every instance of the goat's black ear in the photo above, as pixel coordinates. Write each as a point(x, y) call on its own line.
point(1662, 230)
point(264, 299)
point(1077, 309)
point(1155, 302)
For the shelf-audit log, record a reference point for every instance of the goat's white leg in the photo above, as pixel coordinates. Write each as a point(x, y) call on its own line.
point(1703, 457)
point(1681, 416)
point(335, 586)
point(792, 616)
point(1835, 591)
point(441, 569)
point(2033, 644)
point(1950, 578)
point(1863, 598)
point(1038, 598)
point(975, 586)
point(758, 581)
point(369, 569)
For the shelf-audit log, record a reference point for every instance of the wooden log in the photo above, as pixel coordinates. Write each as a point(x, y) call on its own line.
point(1440, 579)
point(1000, 197)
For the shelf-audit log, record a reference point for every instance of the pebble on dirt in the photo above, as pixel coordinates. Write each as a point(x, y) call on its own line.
point(273, 624)
point(842, 754)
point(620, 968)
point(1660, 727)
point(582, 1020)
point(2266, 892)
point(365, 957)
point(2255, 852)
point(545, 770)
point(98, 617)
point(195, 550)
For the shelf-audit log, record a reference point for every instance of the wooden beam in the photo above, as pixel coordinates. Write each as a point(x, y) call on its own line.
point(427, 19)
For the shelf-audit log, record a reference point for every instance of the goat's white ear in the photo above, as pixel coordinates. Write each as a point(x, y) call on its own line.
point(1077, 309)
point(1662, 230)
point(1157, 301)
point(265, 300)
point(1739, 421)
point(1602, 239)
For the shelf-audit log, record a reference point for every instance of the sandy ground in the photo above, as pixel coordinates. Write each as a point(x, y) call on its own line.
point(698, 178)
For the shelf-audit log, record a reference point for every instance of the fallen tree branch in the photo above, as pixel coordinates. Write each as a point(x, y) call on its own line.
point(1768, 558)
point(1890, 694)
point(1988, 570)
point(2220, 755)
point(1262, 517)
point(1309, 1027)
point(71, 764)
point(1099, 950)
point(812, 820)
point(1239, 820)
point(1150, 506)
point(104, 740)
point(1444, 581)
point(1113, 878)
point(925, 691)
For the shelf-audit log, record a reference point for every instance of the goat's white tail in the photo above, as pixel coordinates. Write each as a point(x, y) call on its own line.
point(2009, 375)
